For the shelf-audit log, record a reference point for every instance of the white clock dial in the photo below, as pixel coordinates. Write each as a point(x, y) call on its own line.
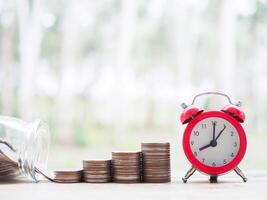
point(217, 150)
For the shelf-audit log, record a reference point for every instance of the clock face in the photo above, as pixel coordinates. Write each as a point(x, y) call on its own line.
point(214, 141)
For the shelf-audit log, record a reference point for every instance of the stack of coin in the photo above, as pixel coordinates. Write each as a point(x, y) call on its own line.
point(156, 162)
point(126, 167)
point(67, 176)
point(96, 171)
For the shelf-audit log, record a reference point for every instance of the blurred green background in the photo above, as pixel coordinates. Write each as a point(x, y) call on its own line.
point(107, 75)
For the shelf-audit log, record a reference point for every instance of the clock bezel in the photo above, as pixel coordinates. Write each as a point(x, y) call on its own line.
point(209, 169)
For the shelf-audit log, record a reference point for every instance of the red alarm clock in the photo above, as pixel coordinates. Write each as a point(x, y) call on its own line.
point(214, 142)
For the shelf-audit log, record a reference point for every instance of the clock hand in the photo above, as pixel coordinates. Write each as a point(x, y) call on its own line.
point(205, 147)
point(220, 132)
point(213, 142)
point(213, 134)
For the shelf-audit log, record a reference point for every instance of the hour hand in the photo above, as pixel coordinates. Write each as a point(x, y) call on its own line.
point(204, 147)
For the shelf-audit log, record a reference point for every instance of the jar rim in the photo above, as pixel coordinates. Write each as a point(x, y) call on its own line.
point(36, 152)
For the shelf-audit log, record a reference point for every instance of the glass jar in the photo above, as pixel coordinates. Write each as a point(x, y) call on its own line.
point(27, 144)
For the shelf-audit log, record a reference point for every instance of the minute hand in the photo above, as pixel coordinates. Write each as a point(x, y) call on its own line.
point(213, 132)
point(220, 132)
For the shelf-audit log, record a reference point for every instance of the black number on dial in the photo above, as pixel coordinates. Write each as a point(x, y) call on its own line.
point(192, 142)
point(224, 161)
point(214, 122)
point(213, 164)
point(196, 133)
point(195, 153)
point(232, 155)
point(203, 125)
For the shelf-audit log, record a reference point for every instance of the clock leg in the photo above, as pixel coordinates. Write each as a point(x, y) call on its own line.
point(213, 179)
point(240, 173)
point(189, 173)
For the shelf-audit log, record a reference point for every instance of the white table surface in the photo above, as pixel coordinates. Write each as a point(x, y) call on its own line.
point(229, 187)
